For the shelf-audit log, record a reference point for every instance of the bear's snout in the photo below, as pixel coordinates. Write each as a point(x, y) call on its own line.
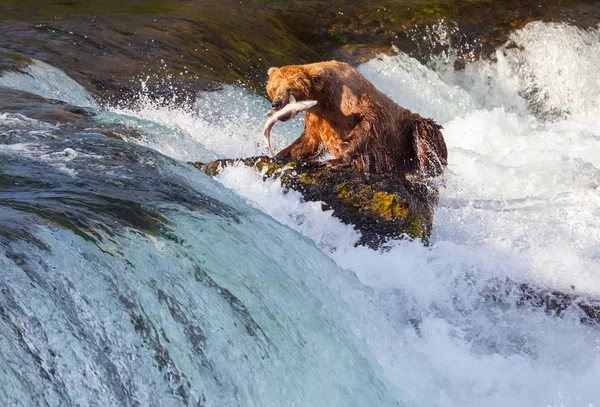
point(277, 104)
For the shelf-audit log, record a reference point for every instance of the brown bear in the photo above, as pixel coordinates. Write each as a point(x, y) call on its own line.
point(356, 123)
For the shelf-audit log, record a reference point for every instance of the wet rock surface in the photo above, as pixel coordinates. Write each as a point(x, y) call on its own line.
point(380, 208)
point(559, 302)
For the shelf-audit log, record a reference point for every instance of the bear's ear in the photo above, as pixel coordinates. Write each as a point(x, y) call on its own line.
point(271, 70)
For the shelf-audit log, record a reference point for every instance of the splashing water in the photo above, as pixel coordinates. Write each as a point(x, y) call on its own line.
point(432, 325)
point(205, 131)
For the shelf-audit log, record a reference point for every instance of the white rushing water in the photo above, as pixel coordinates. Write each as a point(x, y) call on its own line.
point(522, 202)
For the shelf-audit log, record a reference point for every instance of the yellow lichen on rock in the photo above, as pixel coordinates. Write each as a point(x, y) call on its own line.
point(344, 192)
point(213, 168)
point(271, 167)
point(387, 205)
point(305, 179)
point(414, 229)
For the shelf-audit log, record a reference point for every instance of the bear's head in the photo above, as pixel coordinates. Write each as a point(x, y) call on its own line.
point(291, 80)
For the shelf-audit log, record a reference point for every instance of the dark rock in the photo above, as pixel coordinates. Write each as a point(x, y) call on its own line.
point(558, 302)
point(380, 208)
point(13, 62)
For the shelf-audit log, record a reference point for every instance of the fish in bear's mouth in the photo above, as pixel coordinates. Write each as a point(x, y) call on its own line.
point(280, 106)
point(286, 117)
point(283, 113)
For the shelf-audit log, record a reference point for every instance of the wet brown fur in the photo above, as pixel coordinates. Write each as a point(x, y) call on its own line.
point(356, 123)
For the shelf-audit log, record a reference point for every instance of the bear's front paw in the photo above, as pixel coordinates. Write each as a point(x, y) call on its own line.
point(337, 163)
point(283, 155)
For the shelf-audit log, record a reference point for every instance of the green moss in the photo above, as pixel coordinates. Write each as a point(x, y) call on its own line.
point(305, 179)
point(344, 192)
point(212, 169)
point(434, 10)
point(414, 230)
point(271, 168)
point(387, 205)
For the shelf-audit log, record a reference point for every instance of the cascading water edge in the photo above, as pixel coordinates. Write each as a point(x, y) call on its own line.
point(131, 279)
point(205, 300)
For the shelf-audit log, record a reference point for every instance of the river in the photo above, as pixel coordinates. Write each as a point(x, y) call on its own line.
point(130, 278)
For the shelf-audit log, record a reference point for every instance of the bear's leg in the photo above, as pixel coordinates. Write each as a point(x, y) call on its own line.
point(355, 147)
point(305, 146)
point(429, 147)
point(338, 163)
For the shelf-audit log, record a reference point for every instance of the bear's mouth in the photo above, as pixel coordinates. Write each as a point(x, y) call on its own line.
point(279, 104)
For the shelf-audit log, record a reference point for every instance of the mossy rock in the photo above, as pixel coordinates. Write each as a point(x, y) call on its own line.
point(380, 208)
point(387, 205)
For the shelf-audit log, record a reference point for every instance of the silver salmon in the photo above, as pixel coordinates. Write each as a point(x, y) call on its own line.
point(291, 109)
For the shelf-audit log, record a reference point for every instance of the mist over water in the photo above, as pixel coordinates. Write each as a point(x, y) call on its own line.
point(438, 325)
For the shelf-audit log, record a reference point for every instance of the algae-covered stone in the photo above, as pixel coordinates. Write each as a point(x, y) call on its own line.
point(387, 205)
point(344, 192)
point(305, 178)
point(380, 208)
point(267, 168)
